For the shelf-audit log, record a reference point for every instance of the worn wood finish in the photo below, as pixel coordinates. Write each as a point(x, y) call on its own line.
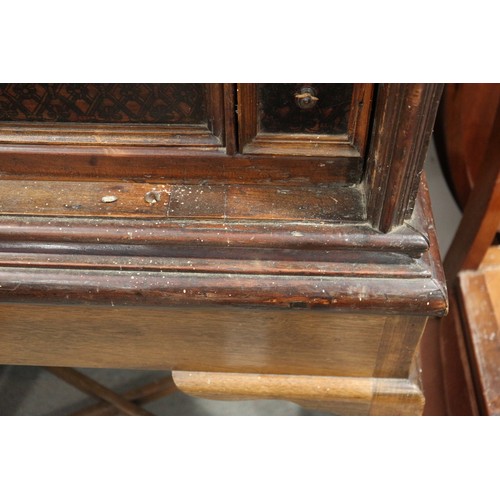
point(84, 199)
point(423, 222)
point(490, 269)
point(230, 118)
point(428, 354)
point(217, 119)
point(161, 164)
point(208, 233)
point(77, 199)
point(392, 296)
point(491, 259)
point(106, 136)
point(414, 286)
point(256, 264)
point(340, 395)
point(200, 259)
point(189, 165)
point(411, 239)
point(210, 339)
point(405, 111)
point(404, 118)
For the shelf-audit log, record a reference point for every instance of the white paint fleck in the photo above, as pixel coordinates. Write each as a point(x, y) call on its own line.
point(109, 199)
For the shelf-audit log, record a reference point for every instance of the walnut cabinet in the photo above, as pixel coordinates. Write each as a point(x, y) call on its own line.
point(259, 240)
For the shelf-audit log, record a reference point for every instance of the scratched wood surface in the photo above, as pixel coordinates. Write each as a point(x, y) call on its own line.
point(43, 198)
point(343, 320)
point(402, 128)
point(98, 260)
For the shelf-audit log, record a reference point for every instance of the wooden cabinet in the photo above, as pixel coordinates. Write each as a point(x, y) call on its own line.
point(260, 240)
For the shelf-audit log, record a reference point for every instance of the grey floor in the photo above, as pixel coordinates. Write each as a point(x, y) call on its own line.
point(34, 391)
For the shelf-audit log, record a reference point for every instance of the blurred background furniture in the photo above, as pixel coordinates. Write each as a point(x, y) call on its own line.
point(468, 132)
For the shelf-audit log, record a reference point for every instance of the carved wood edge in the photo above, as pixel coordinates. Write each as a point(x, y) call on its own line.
point(403, 125)
point(163, 164)
point(115, 224)
point(289, 235)
point(340, 395)
point(21, 133)
point(84, 261)
point(385, 296)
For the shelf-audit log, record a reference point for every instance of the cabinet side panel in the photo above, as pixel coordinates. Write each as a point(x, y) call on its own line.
point(203, 339)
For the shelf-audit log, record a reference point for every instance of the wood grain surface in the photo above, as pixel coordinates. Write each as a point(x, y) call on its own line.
point(339, 395)
point(209, 339)
point(181, 201)
point(275, 264)
point(403, 123)
point(164, 258)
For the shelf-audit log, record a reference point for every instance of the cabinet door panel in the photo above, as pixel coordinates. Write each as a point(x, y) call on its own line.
point(304, 119)
point(173, 114)
point(319, 109)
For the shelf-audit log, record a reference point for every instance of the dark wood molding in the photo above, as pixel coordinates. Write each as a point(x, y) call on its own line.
point(207, 234)
point(216, 111)
point(385, 296)
point(349, 147)
point(162, 262)
point(230, 118)
point(163, 164)
point(58, 135)
point(404, 119)
point(206, 216)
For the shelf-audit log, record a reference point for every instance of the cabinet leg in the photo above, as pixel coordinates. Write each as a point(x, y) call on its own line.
point(338, 395)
